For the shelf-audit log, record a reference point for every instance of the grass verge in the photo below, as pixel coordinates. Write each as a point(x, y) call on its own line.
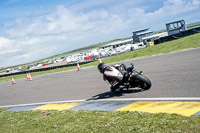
point(188, 42)
point(96, 121)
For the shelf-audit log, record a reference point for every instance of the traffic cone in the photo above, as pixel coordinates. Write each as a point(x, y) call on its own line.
point(13, 81)
point(30, 78)
point(100, 60)
point(78, 66)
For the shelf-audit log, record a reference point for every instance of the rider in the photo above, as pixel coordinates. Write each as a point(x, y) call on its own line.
point(113, 74)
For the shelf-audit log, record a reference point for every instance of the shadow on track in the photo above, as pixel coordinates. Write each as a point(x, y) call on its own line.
point(110, 94)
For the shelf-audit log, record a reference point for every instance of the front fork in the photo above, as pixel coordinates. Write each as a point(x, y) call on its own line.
point(127, 84)
point(135, 82)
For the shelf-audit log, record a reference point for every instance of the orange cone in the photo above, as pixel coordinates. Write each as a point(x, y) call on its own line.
point(13, 81)
point(100, 60)
point(78, 66)
point(30, 78)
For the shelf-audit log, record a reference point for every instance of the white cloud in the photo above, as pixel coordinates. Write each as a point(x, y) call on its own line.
point(170, 11)
point(4, 42)
point(196, 2)
point(7, 46)
point(8, 51)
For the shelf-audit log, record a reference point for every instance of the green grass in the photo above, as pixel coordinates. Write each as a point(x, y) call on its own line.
point(96, 121)
point(188, 42)
point(163, 48)
point(3, 109)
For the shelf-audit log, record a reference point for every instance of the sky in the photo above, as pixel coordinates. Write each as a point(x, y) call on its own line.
point(35, 29)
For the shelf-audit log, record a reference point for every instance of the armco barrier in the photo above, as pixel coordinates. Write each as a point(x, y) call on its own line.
point(44, 69)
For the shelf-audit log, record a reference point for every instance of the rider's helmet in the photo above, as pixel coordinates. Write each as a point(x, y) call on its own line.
point(101, 67)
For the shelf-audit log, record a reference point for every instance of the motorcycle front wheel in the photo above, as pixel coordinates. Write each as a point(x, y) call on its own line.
point(142, 81)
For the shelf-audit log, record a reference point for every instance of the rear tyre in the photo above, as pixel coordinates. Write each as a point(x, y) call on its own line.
point(143, 81)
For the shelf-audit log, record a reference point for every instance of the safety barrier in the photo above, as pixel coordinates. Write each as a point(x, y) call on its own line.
point(44, 69)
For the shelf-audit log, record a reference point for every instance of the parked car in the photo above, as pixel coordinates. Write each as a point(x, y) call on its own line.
point(136, 46)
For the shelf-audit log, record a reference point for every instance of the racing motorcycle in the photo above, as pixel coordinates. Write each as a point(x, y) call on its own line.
point(133, 79)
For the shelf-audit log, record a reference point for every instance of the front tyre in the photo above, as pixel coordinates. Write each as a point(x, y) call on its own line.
point(143, 81)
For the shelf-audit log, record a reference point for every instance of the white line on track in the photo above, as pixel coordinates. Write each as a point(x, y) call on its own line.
point(31, 104)
point(108, 100)
point(154, 99)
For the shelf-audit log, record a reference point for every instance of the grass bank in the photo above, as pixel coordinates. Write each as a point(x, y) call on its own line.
point(188, 42)
point(96, 121)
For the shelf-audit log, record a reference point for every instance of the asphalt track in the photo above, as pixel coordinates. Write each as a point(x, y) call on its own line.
point(172, 75)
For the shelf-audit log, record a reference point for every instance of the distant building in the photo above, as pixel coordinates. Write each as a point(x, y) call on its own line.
point(154, 38)
point(136, 38)
point(139, 34)
point(118, 43)
point(171, 28)
point(176, 27)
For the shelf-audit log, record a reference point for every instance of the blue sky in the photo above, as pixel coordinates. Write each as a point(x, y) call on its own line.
point(35, 29)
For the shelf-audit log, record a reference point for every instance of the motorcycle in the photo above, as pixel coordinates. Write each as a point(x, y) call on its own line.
point(134, 79)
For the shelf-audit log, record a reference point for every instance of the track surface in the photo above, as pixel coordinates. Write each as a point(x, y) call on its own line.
point(172, 75)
